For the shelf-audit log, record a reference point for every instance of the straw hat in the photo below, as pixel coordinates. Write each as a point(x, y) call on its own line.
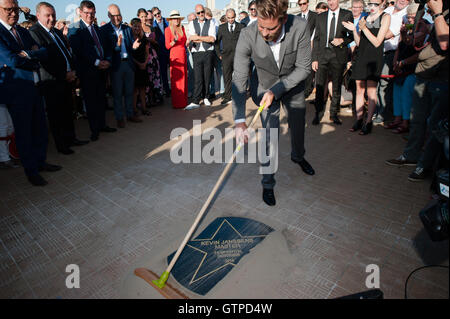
point(174, 14)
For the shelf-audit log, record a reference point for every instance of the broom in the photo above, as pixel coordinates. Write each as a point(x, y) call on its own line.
point(160, 283)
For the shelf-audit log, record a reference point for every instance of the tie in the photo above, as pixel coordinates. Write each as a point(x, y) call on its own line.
point(231, 28)
point(16, 35)
point(332, 26)
point(97, 42)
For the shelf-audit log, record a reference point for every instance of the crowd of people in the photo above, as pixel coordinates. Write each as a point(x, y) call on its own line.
point(386, 60)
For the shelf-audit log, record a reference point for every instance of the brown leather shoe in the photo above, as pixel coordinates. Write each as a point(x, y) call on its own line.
point(121, 123)
point(134, 119)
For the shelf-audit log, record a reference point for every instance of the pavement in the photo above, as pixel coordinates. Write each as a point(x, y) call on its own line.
point(121, 203)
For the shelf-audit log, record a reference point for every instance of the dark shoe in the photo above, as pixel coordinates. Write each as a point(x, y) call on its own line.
point(366, 129)
point(50, 168)
point(357, 126)
point(269, 197)
point(392, 125)
point(306, 167)
point(8, 164)
point(37, 180)
point(335, 120)
point(77, 142)
point(66, 151)
point(108, 129)
point(121, 123)
point(134, 119)
point(418, 175)
point(225, 101)
point(400, 130)
point(94, 137)
point(400, 161)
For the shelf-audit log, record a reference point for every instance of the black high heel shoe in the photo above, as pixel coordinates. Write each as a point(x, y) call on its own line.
point(357, 126)
point(366, 129)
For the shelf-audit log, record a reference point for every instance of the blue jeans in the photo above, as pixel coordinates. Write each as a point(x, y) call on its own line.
point(403, 97)
point(122, 81)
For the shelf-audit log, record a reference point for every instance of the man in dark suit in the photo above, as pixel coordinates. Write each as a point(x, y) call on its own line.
point(227, 38)
point(310, 17)
point(19, 80)
point(122, 68)
point(160, 24)
point(329, 56)
point(58, 77)
point(91, 52)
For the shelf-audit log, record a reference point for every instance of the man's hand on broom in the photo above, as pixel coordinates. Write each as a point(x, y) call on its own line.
point(241, 133)
point(267, 99)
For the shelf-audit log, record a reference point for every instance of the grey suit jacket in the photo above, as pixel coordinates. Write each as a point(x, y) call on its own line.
point(295, 64)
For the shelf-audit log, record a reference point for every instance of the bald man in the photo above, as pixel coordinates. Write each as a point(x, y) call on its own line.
point(120, 41)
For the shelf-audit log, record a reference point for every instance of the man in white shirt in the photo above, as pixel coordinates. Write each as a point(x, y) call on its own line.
point(279, 45)
point(385, 85)
point(253, 16)
point(201, 35)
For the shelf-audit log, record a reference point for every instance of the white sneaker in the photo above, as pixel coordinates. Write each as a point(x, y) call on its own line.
point(191, 106)
point(207, 102)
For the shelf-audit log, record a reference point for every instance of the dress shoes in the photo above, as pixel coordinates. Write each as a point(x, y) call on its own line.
point(49, 168)
point(37, 180)
point(225, 101)
point(335, 120)
point(269, 197)
point(317, 119)
point(108, 129)
point(134, 119)
point(120, 123)
point(77, 142)
point(306, 167)
point(65, 151)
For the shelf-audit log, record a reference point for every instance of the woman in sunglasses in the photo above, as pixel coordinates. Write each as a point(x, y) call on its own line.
point(368, 61)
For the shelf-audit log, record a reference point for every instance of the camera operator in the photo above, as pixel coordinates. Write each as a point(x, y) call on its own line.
point(429, 101)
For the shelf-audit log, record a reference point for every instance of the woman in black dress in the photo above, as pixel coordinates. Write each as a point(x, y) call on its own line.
point(366, 70)
point(140, 56)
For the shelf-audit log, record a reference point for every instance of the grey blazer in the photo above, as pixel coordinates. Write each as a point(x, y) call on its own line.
point(295, 64)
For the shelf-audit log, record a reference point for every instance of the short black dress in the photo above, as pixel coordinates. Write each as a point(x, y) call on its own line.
point(368, 62)
point(141, 78)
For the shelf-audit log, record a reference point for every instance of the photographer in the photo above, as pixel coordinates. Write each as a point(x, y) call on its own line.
point(429, 100)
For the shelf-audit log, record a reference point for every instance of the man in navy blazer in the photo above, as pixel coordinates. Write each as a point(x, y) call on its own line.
point(93, 61)
point(19, 80)
point(122, 69)
point(160, 24)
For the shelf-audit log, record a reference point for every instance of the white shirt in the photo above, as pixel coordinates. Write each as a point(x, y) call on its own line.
point(53, 37)
point(211, 33)
point(252, 20)
point(234, 26)
point(123, 49)
point(9, 28)
point(304, 15)
point(330, 17)
point(396, 24)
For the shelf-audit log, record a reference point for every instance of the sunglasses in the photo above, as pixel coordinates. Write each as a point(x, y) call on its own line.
point(252, 9)
point(200, 12)
point(157, 14)
point(374, 4)
point(11, 10)
point(303, 4)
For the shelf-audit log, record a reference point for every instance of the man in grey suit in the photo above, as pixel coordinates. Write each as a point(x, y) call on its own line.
point(279, 45)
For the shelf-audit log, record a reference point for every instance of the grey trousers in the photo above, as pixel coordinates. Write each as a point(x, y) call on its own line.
point(385, 90)
point(425, 114)
point(122, 81)
point(270, 118)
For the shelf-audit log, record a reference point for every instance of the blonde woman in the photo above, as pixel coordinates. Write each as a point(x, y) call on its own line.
point(176, 44)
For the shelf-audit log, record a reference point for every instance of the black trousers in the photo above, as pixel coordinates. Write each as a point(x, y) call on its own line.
point(227, 68)
point(94, 95)
point(59, 103)
point(329, 67)
point(30, 127)
point(203, 70)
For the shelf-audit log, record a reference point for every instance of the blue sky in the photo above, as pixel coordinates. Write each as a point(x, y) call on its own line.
point(65, 8)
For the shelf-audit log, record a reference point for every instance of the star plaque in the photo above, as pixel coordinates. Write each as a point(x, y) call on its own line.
point(208, 258)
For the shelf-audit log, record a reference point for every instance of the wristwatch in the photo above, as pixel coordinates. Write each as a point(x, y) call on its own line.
point(436, 15)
